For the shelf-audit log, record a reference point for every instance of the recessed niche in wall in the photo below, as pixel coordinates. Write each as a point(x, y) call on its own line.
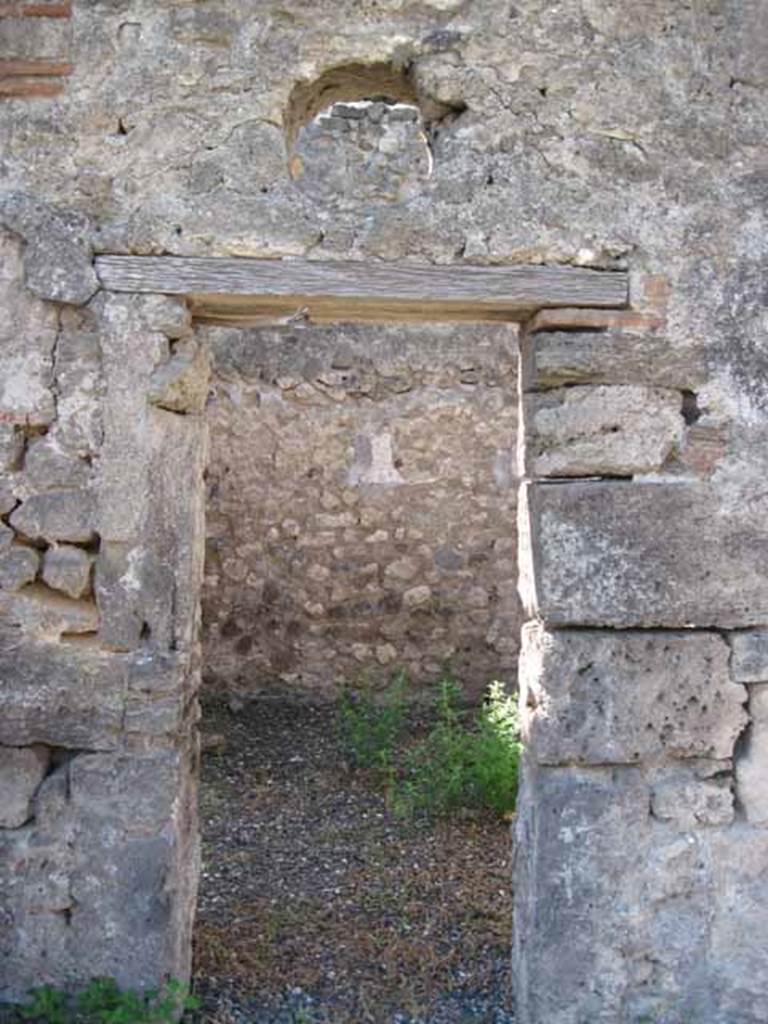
point(360, 133)
point(369, 150)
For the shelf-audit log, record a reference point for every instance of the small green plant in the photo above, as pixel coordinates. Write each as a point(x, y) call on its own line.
point(463, 761)
point(47, 1005)
point(471, 764)
point(370, 729)
point(104, 1002)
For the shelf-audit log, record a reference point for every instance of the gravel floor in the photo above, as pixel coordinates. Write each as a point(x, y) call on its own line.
point(317, 906)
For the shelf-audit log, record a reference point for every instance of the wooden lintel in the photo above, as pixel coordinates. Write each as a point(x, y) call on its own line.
point(242, 289)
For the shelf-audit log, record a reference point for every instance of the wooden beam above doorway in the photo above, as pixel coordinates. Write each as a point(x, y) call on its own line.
point(243, 290)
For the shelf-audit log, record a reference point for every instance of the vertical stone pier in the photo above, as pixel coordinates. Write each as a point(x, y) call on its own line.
point(640, 843)
point(101, 546)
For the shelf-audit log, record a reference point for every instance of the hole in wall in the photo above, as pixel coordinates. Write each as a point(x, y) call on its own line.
point(691, 412)
point(361, 133)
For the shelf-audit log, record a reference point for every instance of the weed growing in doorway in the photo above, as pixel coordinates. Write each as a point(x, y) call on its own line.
point(465, 760)
point(371, 730)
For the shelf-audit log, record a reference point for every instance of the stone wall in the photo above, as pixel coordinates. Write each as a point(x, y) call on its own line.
point(560, 133)
point(635, 845)
point(361, 507)
point(98, 649)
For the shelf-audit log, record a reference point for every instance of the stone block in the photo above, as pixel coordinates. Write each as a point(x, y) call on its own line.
point(689, 797)
point(8, 499)
point(57, 516)
point(18, 566)
point(181, 384)
point(749, 660)
point(48, 466)
point(28, 333)
point(22, 769)
point(605, 697)
point(6, 536)
point(417, 597)
point(603, 431)
point(79, 382)
point(134, 884)
point(148, 589)
point(737, 968)
point(68, 569)
point(130, 353)
point(44, 614)
point(612, 908)
point(118, 589)
point(161, 716)
point(551, 360)
point(135, 792)
point(168, 314)
point(752, 762)
point(113, 844)
point(58, 253)
point(628, 555)
point(751, 60)
point(402, 570)
point(159, 690)
point(175, 529)
point(62, 695)
point(11, 446)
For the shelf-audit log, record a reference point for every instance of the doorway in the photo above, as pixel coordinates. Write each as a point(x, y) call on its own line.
point(361, 525)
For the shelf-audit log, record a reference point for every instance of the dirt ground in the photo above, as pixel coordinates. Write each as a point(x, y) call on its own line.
point(319, 906)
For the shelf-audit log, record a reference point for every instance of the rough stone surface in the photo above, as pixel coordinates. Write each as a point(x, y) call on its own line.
point(18, 566)
point(150, 492)
point(752, 765)
point(750, 656)
point(48, 466)
point(738, 973)
point(132, 349)
point(11, 446)
point(614, 697)
point(46, 614)
point(68, 569)
point(101, 859)
point(57, 516)
point(57, 252)
point(181, 384)
point(361, 505)
point(79, 425)
point(22, 769)
point(27, 337)
point(612, 357)
point(8, 500)
point(613, 906)
point(604, 431)
point(118, 589)
point(63, 695)
point(169, 315)
point(693, 794)
point(371, 151)
point(644, 554)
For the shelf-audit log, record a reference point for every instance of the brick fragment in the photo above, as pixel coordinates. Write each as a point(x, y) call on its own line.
point(15, 67)
point(25, 88)
point(42, 10)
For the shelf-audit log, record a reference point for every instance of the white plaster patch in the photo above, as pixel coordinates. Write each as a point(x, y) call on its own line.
point(374, 462)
